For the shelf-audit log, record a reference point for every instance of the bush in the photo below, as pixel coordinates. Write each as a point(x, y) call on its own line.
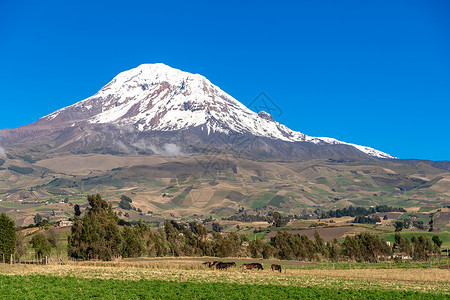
point(40, 243)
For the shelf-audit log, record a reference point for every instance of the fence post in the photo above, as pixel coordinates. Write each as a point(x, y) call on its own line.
point(46, 260)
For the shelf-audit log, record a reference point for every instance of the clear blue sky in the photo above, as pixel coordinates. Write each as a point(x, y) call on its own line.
point(375, 73)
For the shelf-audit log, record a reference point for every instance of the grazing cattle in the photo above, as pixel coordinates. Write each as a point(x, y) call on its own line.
point(252, 266)
point(225, 265)
point(211, 263)
point(276, 267)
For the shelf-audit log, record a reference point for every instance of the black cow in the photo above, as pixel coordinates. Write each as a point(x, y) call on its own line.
point(225, 265)
point(276, 267)
point(252, 266)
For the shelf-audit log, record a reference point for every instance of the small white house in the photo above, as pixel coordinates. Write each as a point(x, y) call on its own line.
point(401, 256)
point(65, 223)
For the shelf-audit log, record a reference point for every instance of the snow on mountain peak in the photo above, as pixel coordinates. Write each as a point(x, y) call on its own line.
point(157, 97)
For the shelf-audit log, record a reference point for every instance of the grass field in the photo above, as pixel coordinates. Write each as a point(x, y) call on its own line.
point(51, 287)
point(160, 278)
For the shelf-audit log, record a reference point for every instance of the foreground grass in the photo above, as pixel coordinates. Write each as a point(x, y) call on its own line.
point(52, 287)
point(432, 280)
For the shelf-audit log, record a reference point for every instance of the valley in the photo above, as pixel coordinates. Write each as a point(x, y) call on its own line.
point(199, 186)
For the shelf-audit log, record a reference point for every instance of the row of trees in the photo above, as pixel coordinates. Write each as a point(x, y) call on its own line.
point(367, 220)
point(419, 248)
point(274, 218)
point(97, 236)
point(244, 217)
point(357, 211)
point(406, 223)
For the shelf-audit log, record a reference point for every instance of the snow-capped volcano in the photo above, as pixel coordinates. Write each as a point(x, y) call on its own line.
point(158, 98)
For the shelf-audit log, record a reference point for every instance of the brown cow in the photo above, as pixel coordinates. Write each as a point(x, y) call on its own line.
point(276, 267)
point(252, 266)
point(211, 263)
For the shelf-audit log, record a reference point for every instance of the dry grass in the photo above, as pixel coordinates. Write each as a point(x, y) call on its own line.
point(191, 269)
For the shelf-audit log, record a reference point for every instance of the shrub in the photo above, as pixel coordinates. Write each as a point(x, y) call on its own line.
point(40, 243)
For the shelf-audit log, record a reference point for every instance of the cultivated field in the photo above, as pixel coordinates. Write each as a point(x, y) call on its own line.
point(183, 188)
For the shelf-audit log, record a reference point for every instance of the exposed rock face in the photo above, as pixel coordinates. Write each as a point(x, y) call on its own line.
point(266, 116)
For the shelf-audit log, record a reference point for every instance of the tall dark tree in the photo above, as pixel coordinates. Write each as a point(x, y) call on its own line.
point(21, 249)
point(424, 248)
point(437, 240)
point(134, 243)
point(7, 236)
point(431, 223)
point(156, 245)
point(96, 235)
point(334, 250)
point(319, 243)
point(53, 239)
point(398, 226)
point(37, 218)
point(402, 244)
point(366, 247)
point(256, 248)
point(283, 243)
point(229, 245)
point(216, 227)
point(77, 210)
point(278, 220)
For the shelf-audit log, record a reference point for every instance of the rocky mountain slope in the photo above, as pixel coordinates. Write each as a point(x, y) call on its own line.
point(153, 105)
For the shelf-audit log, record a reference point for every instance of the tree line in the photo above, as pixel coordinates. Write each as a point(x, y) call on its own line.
point(352, 211)
point(97, 235)
point(366, 220)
